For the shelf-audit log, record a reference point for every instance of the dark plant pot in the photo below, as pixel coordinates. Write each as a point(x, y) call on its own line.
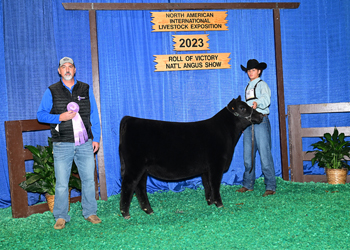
point(336, 176)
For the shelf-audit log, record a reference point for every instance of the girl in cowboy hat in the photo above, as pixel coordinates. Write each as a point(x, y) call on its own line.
point(258, 96)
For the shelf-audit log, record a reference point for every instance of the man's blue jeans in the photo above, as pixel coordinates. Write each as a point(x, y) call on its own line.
point(83, 155)
point(262, 143)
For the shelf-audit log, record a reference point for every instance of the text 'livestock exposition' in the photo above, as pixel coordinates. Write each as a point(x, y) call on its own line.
point(189, 21)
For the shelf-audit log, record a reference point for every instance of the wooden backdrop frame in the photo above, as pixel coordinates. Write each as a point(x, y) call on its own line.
point(16, 157)
point(93, 7)
point(296, 133)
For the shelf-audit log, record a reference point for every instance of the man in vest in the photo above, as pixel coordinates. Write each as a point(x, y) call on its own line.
point(70, 108)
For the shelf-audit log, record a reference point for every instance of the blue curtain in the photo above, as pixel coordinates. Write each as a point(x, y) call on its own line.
point(35, 34)
point(5, 199)
point(30, 64)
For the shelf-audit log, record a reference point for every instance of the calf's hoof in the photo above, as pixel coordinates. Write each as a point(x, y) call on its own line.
point(125, 215)
point(219, 204)
point(148, 210)
point(210, 202)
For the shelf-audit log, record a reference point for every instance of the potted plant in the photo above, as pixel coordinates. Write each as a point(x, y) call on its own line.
point(42, 180)
point(332, 153)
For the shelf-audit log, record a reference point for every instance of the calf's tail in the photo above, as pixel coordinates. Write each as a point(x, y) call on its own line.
point(122, 130)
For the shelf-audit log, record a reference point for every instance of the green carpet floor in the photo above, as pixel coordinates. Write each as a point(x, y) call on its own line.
point(299, 216)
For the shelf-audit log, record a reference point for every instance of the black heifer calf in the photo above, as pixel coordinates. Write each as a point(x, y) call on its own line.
point(174, 151)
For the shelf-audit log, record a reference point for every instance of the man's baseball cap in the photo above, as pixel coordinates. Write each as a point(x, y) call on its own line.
point(66, 60)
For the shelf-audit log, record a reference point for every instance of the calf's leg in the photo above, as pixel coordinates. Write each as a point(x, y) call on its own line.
point(126, 194)
point(215, 181)
point(130, 181)
point(141, 194)
point(207, 189)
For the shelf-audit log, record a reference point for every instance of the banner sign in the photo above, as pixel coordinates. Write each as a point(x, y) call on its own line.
point(191, 42)
point(189, 21)
point(192, 61)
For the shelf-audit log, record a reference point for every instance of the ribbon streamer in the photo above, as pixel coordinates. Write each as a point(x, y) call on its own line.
point(80, 134)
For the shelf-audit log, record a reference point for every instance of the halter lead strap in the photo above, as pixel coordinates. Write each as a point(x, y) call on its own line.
point(253, 158)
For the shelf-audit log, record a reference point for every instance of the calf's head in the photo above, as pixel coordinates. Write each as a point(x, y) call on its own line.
point(241, 109)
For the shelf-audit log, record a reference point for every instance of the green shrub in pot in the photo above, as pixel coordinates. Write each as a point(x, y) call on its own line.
point(331, 151)
point(42, 180)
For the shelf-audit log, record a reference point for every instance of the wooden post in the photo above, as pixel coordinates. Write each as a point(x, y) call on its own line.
point(96, 89)
point(280, 94)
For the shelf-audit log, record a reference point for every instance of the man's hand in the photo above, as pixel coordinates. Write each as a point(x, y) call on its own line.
point(95, 146)
point(66, 116)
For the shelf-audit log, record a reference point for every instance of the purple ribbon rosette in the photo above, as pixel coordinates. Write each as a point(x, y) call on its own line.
point(80, 134)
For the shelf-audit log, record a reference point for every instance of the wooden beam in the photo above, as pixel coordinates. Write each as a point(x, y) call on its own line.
point(15, 160)
point(96, 89)
point(325, 108)
point(177, 6)
point(280, 95)
point(295, 143)
point(320, 131)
